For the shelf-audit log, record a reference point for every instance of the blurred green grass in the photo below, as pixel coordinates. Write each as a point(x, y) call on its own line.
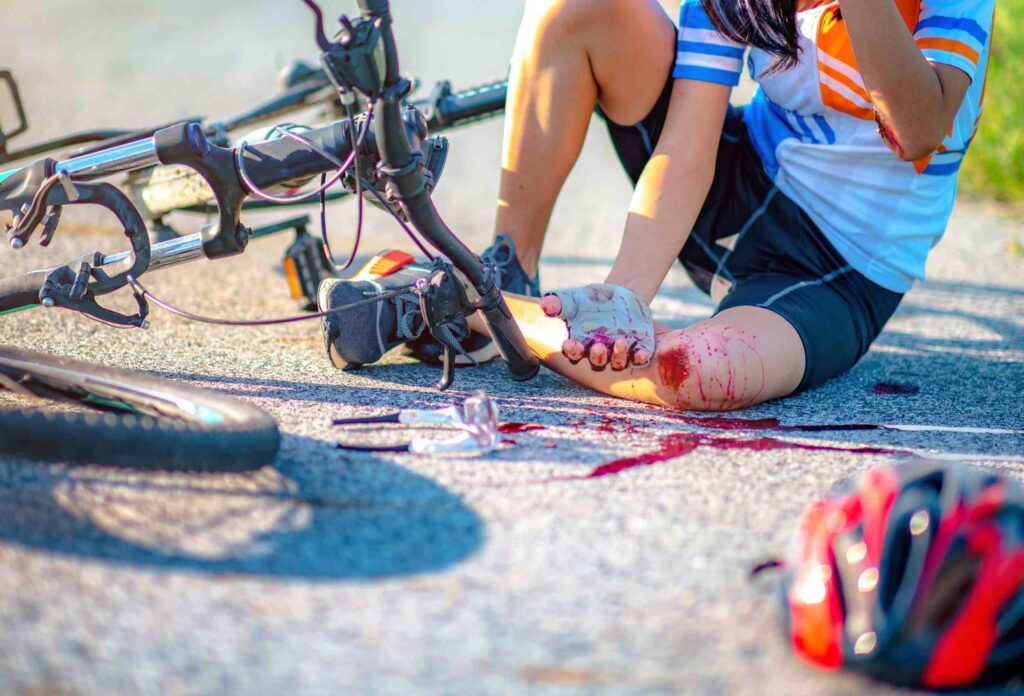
point(994, 167)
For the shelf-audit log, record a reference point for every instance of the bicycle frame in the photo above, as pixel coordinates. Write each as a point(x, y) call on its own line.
point(158, 191)
point(363, 60)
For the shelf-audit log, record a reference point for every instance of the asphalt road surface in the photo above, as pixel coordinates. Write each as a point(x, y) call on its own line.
point(516, 573)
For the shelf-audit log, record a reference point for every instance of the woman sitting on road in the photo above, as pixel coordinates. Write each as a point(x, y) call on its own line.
point(805, 215)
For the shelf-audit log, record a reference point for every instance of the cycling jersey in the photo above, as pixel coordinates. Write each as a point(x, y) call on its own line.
point(814, 128)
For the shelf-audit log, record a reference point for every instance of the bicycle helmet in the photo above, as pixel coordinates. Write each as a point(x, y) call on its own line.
point(915, 575)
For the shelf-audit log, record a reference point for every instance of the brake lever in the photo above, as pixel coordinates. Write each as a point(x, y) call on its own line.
point(321, 36)
point(75, 285)
point(444, 306)
point(69, 287)
point(50, 223)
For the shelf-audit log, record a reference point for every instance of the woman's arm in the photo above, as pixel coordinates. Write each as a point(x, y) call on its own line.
point(672, 187)
point(915, 100)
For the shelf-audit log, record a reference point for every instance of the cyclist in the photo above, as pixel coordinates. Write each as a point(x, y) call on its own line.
point(806, 215)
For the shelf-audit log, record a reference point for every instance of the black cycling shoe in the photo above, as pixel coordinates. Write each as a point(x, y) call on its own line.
point(363, 335)
point(510, 278)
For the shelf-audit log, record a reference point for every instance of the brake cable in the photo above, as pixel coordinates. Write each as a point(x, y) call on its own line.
point(359, 201)
point(325, 185)
point(141, 291)
point(361, 185)
point(398, 218)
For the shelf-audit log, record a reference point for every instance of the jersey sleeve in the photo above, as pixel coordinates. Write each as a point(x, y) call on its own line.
point(955, 32)
point(702, 53)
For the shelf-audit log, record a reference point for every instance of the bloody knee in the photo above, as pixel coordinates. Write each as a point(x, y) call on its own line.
point(709, 368)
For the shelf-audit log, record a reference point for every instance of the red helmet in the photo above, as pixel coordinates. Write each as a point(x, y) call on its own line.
point(915, 576)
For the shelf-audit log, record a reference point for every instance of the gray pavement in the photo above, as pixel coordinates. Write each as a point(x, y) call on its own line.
point(330, 573)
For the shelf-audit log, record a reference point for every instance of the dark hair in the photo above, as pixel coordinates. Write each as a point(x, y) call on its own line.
point(766, 24)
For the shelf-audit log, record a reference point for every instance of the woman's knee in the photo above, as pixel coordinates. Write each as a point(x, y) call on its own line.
point(710, 367)
point(572, 17)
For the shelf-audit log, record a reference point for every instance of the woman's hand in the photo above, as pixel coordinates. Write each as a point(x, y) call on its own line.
point(608, 324)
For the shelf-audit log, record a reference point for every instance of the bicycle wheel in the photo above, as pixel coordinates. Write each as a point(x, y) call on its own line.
point(138, 420)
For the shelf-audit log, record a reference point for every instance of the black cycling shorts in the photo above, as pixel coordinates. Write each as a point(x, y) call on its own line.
point(753, 246)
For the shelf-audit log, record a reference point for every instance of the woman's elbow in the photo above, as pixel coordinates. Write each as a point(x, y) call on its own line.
point(921, 145)
point(911, 144)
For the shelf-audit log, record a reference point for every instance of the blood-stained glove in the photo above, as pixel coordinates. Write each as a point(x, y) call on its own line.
point(608, 324)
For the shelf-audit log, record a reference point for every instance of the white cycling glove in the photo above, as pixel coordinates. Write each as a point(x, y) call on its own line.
point(604, 313)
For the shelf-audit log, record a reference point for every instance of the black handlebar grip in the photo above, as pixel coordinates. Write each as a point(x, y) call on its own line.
point(285, 159)
point(510, 343)
point(475, 103)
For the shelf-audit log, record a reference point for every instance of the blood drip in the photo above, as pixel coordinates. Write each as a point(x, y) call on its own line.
point(610, 423)
point(507, 428)
point(681, 444)
point(725, 423)
point(895, 389)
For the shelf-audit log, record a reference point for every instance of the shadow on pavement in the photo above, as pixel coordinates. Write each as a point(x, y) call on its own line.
point(330, 519)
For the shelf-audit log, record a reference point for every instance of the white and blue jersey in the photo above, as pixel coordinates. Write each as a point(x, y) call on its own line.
point(814, 128)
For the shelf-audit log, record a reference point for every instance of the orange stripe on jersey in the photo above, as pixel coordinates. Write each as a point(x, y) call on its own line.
point(949, 45)
point(834, 100)
point(834, 41)
point(910, 10)
point(854, 87)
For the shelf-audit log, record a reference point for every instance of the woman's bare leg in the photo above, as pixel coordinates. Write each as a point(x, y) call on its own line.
point(569, 56)
point(738, 358)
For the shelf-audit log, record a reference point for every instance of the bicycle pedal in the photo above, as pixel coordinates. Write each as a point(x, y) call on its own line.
point(305, 266)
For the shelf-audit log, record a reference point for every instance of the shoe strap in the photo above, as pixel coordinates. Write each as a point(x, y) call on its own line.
point(502, 252)
point(408, 308)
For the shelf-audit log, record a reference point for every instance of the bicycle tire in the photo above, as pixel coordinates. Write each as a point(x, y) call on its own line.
point(146, 422)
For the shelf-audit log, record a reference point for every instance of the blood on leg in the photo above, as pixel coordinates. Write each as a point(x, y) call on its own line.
point(738, 358)
point(710, 367)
